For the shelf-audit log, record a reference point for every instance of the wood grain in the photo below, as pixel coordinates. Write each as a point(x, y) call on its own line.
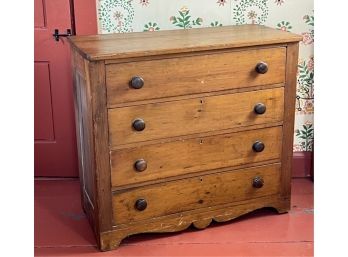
point(211, 72)
point(193, 155)
point(192, 116)
point(78, 64)
point(194, 193)
point(289, 118)
point(191, 54)
point(78, 119)
point(96, 78)
point(85, 140)
point(104, 47)
point(180, 221)
point(191, 175)
point(184, 97)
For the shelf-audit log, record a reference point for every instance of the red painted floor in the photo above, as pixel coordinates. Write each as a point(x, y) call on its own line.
point(61, 229)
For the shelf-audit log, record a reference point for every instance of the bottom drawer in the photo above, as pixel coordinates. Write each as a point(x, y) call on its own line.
point(193, 193)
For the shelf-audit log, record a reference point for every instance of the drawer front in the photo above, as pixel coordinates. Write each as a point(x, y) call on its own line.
point(196, 115)
point(151, 162)
point(193, 193)
point(195, 74)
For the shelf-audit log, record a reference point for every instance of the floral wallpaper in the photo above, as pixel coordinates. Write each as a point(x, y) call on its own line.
point(118, 16)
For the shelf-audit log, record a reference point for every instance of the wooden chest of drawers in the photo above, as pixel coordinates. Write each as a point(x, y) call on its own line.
point(183, 127)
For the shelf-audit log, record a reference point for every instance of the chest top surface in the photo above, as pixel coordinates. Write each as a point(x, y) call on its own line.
point(129, 45)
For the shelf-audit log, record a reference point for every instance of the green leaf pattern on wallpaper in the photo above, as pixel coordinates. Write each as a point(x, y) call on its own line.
point(151, 26)
point(308, 36)
point(119, 16)
point(184, 20)
point(215, 24)
point(284, 25)
point(305, 86)
point(306, 134)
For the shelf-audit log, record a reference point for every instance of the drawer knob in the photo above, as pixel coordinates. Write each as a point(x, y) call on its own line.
point(258, 182)
point(258, 146)
point(139, 124)
point(260, 108)
point(140, 165)
point(261, 67)
point(137, 82)
point(140, 204)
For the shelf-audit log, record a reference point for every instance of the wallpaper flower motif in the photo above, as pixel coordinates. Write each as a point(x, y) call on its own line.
point(308, 36)
point(115, 16)
point(306, 136)
point(144, 2)
point(305, 90)
point(184, 19)
point(118, 16)
point(221, 2)
point(151, 26)
point(250, 11)
point(279, 2)
point(215, 24)
point(284, 25)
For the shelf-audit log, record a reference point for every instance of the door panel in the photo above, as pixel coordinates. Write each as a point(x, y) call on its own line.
point(55, 143)
point(39, 12)
point(43, 104)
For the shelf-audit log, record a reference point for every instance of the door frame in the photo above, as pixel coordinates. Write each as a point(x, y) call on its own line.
point(84, 17)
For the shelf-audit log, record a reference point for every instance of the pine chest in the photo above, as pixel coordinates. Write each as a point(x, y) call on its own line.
point(183, 127)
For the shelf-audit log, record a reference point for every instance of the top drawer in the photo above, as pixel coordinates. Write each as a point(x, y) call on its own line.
point(193, 74)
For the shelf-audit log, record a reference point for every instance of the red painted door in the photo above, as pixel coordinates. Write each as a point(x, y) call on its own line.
point(55, 143)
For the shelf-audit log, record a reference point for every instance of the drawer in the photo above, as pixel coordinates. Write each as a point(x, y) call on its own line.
point(151, 162)
point(194, 74)
point(190, 116)
point(194, 193)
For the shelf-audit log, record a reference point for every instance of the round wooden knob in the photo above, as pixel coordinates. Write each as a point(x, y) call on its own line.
point(260, 108)
point(258, 182)
point(140, 165)
point(258, 146)
point(136, 82)
point(139, 124)
point(140, 204)
point(261, 67)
